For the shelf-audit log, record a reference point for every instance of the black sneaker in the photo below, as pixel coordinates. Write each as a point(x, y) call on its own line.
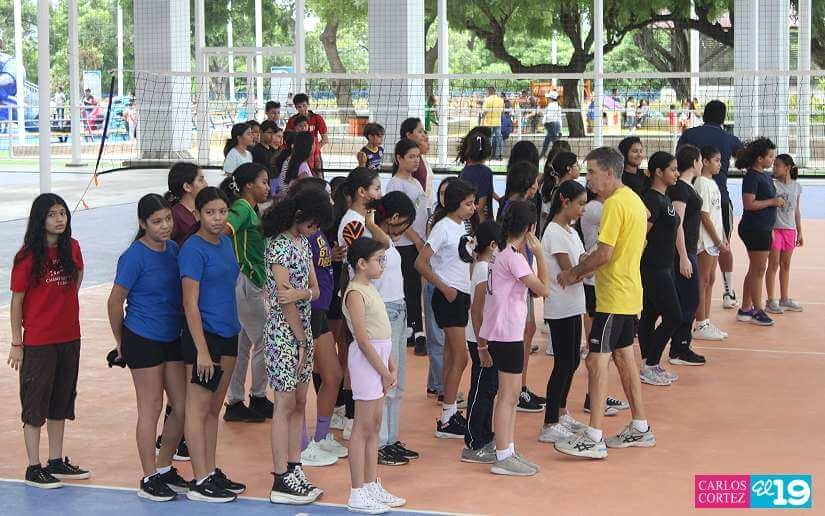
point(388, 456)
point(174, 481)
point(403, 451)
point(609, 410)
point(541, 400)
point(222, 481)
point(238, 412)
point(455, 429)
point(63, 469)
point(262, 406)
point(153, 488)
point(688, 358)
point(182, 453)
point(36, 476)
point(527, 403)
point(420, 346)
point(289, 489)
point(410, 341)
point(209, 492)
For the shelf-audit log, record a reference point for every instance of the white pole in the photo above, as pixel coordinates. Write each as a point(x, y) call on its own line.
point(554, 52)
point(250, 86)
point(300, 37)
point(21, 74)
point(44, 86)
point(444, 84)
point(694, 55)
point(229, 44)
point(598, 60)
point(803, 122)
point(259, 59)
point(119, 17)
point(753, 21)
point(74, 85)
point(202, 109)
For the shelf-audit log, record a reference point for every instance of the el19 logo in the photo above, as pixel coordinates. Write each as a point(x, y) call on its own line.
point(781, 491)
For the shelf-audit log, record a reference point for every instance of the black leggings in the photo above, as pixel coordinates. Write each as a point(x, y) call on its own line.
point(566, 335)
point(480, 400)
point(688, 290)
point(412, 287)
point(660, 299)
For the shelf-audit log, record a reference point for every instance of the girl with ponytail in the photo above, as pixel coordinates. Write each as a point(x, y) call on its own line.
point(237, 151)
point(474, 151)
point(185, 182)
point(787, 235)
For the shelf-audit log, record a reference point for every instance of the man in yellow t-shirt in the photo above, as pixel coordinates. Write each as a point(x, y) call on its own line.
point(491, 112)
point(615, 261)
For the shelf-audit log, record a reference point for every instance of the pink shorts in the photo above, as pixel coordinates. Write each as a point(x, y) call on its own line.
point(365, 380)
point(784, 240)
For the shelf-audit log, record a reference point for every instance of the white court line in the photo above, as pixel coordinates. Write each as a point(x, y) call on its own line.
point(777, 351)
point(253, 498)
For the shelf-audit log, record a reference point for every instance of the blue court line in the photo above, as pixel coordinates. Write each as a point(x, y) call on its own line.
point(18, 499)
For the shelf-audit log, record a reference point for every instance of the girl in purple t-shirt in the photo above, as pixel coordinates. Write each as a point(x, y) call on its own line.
point(502, 331)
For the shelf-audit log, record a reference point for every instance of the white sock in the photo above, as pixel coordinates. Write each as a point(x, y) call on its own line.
point(163, 470)
point(594, 433)
point(512, 449)
point(503, 454)
point(447, 411)
point(727, 279)
point(640, 425)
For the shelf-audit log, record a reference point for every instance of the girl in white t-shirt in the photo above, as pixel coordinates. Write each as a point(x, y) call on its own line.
point(563, 309)
point(712, 241)
point(235, 151)
point(445, 262)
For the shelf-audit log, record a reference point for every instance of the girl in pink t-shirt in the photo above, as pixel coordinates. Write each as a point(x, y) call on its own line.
point(505, 313)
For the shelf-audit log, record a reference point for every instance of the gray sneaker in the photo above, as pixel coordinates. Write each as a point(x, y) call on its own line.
point(529, 463)
point(554, 433)
point(651, 376)
point(581, 445)
point(480, 456)
point(513, 467)
point(790, 305)
point(629, 437)
point(773, 306)
point(667, 374)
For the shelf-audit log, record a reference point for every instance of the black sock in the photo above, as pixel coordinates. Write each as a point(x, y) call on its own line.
point(316, 381)
point(349, 403)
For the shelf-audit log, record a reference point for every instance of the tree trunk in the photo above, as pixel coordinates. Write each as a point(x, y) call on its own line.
point(341, 89)
point(575, 124)
point(675, 57)
point(430, 58)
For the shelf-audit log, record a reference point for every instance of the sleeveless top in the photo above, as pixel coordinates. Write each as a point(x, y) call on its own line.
point(375, 313)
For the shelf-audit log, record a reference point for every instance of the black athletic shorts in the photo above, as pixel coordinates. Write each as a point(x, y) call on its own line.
point(611, 332)
point(756, 240)
point(218, 346)
point(48, 382)
point(141, 352)
point(508, 357)
point(318, 322)
point(727, 218)
point(590, 300)
point(451, 315)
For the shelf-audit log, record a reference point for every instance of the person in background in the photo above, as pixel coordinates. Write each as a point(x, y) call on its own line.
point(264, 151)
point(491, 111)
point(431, 113)
point(273, 112)
point(255, 127)
point(371, 155)
point(236, 150)
point(316, 126)
point(552, 121)
point(474, 151)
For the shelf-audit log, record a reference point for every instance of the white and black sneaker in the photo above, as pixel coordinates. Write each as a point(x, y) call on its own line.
point(154, 489)
point(207, 491)
point(289, 489)
point(36, 476)
point(298, 471)
point(581, 445)
point(528, 403)
point(454, 429)
point(63, 469)
point(174, 481)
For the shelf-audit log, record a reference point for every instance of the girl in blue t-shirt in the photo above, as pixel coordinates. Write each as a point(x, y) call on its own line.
point(148, 339)
point(208, 272)
point(474, 151)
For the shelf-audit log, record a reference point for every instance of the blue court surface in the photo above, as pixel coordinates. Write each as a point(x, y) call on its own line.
point(18, 499)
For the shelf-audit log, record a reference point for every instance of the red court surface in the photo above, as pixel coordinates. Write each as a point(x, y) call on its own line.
point(756, 407)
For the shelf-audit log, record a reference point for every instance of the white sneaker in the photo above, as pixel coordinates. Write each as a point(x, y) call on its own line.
point(671, 376)
point(315, 457)
point(337, 421)
point(333, 447)
point(729, 301)
point(651, 376)
point(347, 432)
point(554, 433)
point(361, 501)
point(549, 349)
point(705, 331)
point(571, 424)
point(377, 492)
point(721, 333)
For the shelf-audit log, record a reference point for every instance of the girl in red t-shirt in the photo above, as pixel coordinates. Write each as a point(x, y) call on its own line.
point(45, 327)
